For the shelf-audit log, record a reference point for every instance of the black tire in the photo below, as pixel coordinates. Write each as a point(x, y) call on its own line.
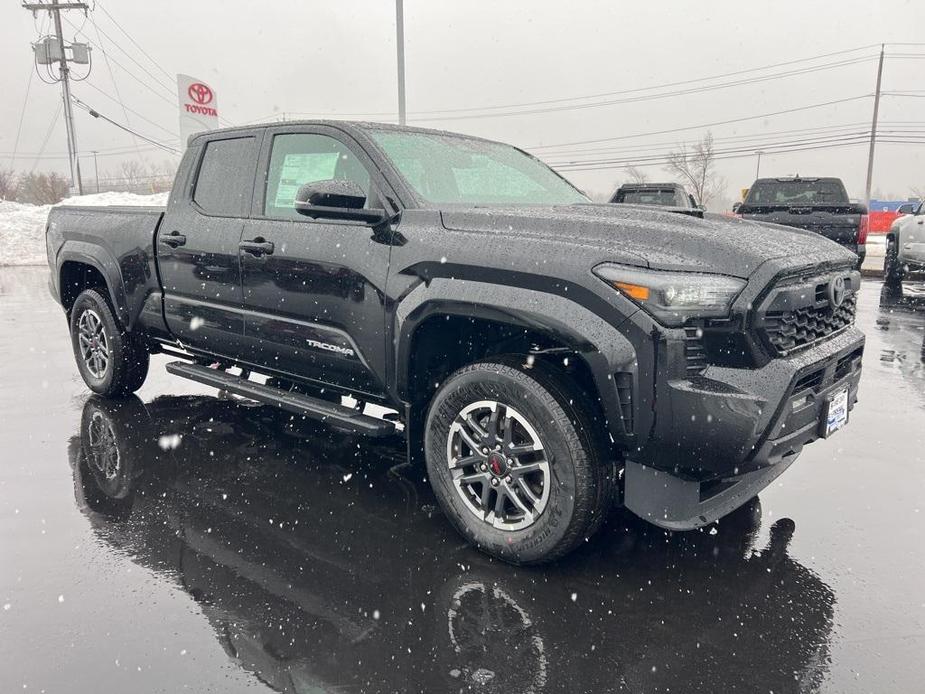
point(579, 475)
point(114, 437)
point(892, 269)
point(121, 363)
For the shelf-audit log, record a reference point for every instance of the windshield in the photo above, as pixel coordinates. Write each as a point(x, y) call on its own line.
point(459, 170)
point(805, 192)
point(649, 196)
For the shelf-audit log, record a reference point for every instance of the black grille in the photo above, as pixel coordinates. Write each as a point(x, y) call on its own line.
point(624, 382)
point(695, 355)
point(798, 327)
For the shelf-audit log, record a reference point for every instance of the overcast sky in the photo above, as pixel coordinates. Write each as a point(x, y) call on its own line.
point(307, 58)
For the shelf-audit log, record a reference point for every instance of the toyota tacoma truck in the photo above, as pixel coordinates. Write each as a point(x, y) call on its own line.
point(820, 205)
point(544, 357)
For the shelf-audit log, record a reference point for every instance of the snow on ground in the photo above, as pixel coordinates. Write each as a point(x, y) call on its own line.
point(22, 227)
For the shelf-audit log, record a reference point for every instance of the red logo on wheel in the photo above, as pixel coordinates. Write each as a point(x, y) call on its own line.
point(200, 93)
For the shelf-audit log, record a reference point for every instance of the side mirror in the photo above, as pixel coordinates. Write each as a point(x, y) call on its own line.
point(336, 199)
point(736, 206)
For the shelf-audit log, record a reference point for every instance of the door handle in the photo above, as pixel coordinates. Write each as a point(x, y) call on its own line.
point(257, 247)
point(173, 239)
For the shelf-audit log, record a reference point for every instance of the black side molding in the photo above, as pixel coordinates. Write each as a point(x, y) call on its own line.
point(337, 415)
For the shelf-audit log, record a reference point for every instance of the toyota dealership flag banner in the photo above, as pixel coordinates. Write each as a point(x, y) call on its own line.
point(198, 107)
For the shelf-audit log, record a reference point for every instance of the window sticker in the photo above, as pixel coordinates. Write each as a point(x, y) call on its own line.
point(299, 169)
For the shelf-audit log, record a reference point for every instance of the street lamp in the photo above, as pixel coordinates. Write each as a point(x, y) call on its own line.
point(758, 167)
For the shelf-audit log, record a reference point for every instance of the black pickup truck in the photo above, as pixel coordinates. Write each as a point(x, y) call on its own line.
point(820, 205)
point(544, 356)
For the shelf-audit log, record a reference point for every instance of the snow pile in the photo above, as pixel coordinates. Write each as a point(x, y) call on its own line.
point(22, 227)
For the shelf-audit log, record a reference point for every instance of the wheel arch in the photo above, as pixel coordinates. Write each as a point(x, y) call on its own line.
point(437, 332)
point(84, 266)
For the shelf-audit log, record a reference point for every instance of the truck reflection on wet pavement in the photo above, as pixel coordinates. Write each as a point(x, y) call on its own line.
point(217, 545)
point(357, 583)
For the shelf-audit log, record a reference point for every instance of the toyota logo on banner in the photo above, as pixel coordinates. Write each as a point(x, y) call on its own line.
point(198, 104)
point(200, 93)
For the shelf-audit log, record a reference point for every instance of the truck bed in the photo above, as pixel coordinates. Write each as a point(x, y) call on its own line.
point(118, 240)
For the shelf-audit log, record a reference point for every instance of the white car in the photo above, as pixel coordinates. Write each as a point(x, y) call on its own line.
point(905, 247)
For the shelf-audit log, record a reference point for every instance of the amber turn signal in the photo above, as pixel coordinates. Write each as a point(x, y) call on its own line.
point(633, 291)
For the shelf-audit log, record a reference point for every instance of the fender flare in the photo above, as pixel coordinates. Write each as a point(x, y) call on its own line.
point(603, 347)
point(96, 257)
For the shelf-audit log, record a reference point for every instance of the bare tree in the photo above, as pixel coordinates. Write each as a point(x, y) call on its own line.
point(134, 174)
point(636, 175)
point(696, 168)
point(917, 192)
point(7, 184)
point(42, 189)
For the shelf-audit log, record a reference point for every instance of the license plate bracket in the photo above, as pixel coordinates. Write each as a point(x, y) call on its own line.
point(835, 412)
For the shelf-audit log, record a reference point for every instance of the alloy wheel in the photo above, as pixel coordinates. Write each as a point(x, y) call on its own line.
point(498, 465)
point(94, 347)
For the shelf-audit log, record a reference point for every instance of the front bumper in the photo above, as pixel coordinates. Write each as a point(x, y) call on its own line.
point(723, 436)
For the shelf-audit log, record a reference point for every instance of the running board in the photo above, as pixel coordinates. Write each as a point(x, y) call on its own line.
point(328, 412)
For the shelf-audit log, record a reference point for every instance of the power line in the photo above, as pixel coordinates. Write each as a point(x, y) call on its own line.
point(648, 97)
point(137, 45)
point(703, 125)
point(22, 115)
point(133, 111)
point(767, 147)
point(51, 127)
point(112, 77)
point(731, 138)
point(97, 114)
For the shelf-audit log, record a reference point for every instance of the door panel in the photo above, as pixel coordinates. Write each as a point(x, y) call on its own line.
point(315, 305)
point(198, 254)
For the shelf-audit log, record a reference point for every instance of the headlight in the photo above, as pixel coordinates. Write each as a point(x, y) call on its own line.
point(673, 297)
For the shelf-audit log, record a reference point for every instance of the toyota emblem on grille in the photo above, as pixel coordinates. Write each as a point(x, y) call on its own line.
point(837, 291)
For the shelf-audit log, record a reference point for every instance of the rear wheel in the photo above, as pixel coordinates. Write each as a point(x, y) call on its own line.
point(516, 461)
point(111, 360)
point(892, 268)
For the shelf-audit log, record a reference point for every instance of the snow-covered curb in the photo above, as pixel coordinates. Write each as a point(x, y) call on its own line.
point(22, 227)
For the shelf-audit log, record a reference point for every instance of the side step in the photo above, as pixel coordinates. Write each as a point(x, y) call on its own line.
point(336, 415)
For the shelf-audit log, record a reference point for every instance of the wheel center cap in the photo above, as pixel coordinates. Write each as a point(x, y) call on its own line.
point(497, 464)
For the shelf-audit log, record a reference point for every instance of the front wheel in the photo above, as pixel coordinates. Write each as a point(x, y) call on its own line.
point(111, 361)
point(516, 461)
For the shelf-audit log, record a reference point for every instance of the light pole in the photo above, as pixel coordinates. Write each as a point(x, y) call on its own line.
point(96, 170)
point(758, 166)
point(400, 41)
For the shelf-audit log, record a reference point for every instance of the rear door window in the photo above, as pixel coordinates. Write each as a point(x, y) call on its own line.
point(226, 177)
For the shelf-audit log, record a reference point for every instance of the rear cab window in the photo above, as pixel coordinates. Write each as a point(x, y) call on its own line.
point(807, 191)
point(225, 180)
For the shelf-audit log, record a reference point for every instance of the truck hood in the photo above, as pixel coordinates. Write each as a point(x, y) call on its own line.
point(648, 237)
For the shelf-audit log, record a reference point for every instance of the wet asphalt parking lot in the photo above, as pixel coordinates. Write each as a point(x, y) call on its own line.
point(181, 542)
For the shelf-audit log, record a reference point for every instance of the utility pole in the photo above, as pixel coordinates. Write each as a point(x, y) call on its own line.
point(400, 40)
point(758, 166)
point(54, 9)
point(96, 170)
point(873, 132)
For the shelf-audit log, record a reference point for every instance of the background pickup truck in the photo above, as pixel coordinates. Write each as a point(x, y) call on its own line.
point(670, 195)
point(820, 205)
point(543, 356)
